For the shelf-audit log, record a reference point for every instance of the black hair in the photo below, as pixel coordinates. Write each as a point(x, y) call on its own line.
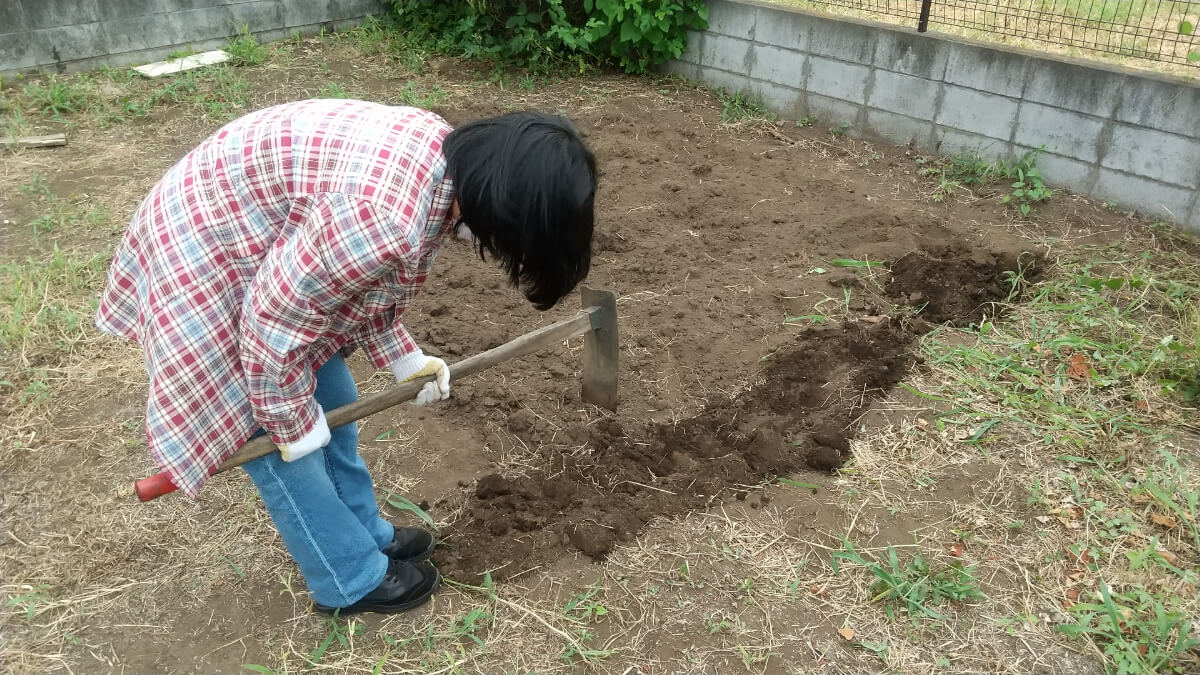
point(526, 186)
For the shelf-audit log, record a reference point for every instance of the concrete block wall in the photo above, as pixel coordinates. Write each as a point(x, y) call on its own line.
point(64, 35)
point(1115, 134)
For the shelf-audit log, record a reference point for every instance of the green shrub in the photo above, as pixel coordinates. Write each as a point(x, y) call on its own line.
point(544, 35)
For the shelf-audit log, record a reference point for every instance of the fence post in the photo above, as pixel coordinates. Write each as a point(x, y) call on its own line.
point(923, 22)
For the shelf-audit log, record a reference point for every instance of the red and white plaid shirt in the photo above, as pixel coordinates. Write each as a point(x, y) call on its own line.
point(288, 234)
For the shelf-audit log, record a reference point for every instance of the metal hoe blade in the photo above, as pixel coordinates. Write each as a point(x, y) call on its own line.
point(601, 347)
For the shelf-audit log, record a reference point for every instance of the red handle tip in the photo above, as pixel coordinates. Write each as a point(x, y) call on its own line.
point(153, 487)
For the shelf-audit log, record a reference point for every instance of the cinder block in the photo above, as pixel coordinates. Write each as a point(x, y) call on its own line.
point(308, 13)
point(911, 54)
point(1166, 106)
point(1149, 196)
point(263, 15)
point(994, 70)
point(731, 18)
point(977, 112)
point(1059, 171)
point(903, 94)
point(783, 101)
point(688, 71)
point(43, 14)
point(955, 142)
point(778, 65)
point(842, 40)
point(169, 6)
point(12, 20)
point(782, 28)
point(1074, 87)
point(203, 24)
point(900, 129)
point(726, 53)
point(837, 79)
point(720, 79)
point(1061, 131)
point(691, 53)
point(23, 50)
point(1193, 224)
point(1165, 157)
point(135, 33)
point(120, 9)
point(831, 112)
point(71, 43)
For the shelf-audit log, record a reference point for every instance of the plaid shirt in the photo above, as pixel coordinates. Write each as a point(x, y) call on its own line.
point(289, 234)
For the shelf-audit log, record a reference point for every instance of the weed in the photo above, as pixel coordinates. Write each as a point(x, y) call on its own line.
point(245, 50)
point(1028, 188)
point(403, 504)
point(181, 53)
point(915, 585)
point(43, 303)
point(59, 96)
point(582, 607)
point(806, 121)
point(840, 130)
point(30, 600)
point(738, 107)
point(1134, 630)
point(332, 90)
point(342, 635)
point(37, 187)
point(410, 95)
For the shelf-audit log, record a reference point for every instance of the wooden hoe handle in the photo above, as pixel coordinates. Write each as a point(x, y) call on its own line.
point(160, 484)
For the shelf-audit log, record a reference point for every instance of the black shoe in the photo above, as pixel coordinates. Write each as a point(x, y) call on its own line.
point(410, 544)
point(405, 586)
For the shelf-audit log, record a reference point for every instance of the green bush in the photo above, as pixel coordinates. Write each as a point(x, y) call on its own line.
point(544, 35)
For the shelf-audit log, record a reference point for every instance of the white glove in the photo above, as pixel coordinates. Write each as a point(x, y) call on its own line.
point(414, 366)
point(317, 438)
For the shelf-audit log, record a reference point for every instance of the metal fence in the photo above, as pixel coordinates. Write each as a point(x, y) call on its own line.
point(1166, 31)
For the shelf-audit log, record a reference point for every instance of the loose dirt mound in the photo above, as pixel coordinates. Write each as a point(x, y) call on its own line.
point(954, 282)
point(801, 416)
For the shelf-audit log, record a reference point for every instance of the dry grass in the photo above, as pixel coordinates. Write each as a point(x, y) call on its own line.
point(94, 581)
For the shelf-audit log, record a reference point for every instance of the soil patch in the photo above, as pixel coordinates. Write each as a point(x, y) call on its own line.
point(956, 282)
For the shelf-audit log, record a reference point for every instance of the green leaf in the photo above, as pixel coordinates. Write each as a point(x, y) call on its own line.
point(850, 262)
point(385, 435)
point(630, 32)
point(1186, 27)
point(263, 670)
point(796, 483)
point(405, 505)
point(1194, 57)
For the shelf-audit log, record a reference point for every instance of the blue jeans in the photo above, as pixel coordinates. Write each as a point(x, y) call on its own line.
point(324, 504)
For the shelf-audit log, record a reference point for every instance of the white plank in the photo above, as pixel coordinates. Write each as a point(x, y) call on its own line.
point(160, 68)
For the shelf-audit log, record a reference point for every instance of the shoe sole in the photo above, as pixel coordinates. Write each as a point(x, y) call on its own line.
point(384, 608)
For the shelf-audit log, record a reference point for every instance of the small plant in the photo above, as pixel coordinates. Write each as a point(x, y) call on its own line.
point(245, 50)
point(181, 53)
point(59, 96)
point(411, 96)
point(1028, 188)
point(1134, 630)
point(337, 632)
point(840, 130)
point(332, 90)
point(806, 121)
point(738, 107)
point(915, 585)
point(582, 607)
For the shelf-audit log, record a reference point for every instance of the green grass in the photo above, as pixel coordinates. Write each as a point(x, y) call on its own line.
point(60, 96)
point(1095, 372)
point(740, 107)
point(332, 90)
point(914, 585)
point(1022, 182)
point(1094, 351)
point(419, 97)
point(46, 306)
point(245, 50)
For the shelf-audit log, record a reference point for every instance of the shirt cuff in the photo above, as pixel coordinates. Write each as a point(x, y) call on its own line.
point(389, 346)
point(285, 432)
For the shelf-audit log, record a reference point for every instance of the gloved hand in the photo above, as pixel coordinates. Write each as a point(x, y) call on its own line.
point(414, 366)
point(314, 440)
